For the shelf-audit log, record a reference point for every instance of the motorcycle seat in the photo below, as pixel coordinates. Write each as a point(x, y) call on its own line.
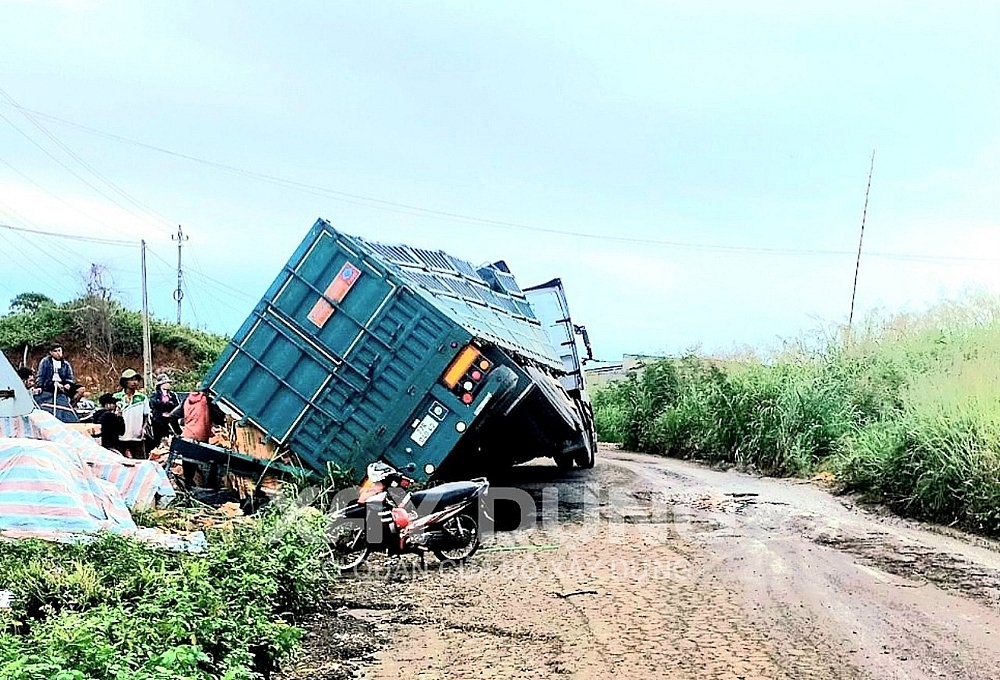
point(444, 495)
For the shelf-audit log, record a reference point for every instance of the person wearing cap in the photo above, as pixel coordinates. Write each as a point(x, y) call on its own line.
point(162, 404)
point(136, 414)
point(55, 380)
point(109, 418)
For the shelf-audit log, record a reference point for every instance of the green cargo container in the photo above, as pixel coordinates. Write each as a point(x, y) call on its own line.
point(361, 350)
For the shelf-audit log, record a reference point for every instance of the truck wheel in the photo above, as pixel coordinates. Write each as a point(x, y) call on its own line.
point(586, 456)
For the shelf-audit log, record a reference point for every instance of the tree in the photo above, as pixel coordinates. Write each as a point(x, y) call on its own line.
point(27, 303)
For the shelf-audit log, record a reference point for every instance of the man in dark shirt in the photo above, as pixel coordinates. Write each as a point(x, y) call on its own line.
point(112, 424)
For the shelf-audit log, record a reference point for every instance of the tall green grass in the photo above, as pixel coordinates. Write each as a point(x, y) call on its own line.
point(905, 410)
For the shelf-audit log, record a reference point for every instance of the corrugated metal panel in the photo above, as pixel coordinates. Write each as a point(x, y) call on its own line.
point(486, 301)
point(330, 386)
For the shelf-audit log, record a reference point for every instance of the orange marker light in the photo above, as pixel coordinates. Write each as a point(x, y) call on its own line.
point(459, 366)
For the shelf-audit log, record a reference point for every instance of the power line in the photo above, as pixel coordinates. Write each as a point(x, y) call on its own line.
point(72, 237)
point(114, 187)
point(196, 265)
point(58, 261)
point(234, 292)
point(56, 283)
point(69, 169)
point(191, 305)
point(861, 239)
point(198, 272)
point(60, 198)
point(404, 208)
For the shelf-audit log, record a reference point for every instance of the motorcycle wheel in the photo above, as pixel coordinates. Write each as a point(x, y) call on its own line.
point(346, 545)
point(466, 527)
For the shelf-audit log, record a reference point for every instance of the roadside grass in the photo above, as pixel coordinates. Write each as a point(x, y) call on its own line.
point(906, 411)
point(117, 608)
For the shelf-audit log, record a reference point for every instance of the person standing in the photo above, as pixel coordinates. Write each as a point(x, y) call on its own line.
point(55, 380)
point(162, 405)
point(136, 414)
point(199, 415)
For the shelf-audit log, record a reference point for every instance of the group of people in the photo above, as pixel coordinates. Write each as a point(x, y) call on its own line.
point(131, 422)
point(54, 387)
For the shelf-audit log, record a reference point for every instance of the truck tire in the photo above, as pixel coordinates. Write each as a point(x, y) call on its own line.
point(587, 456)
point(584, 458)
point(564, 461)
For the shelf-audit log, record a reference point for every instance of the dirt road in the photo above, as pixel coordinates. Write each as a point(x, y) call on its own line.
point(652, 568)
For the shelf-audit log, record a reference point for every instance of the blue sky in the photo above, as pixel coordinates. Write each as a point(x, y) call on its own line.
point(738, 129)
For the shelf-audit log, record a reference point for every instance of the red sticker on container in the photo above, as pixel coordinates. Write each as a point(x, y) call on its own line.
point(335, 292)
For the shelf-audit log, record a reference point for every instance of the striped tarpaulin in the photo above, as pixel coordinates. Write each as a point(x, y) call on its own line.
point(48, 490)
point(139, 482)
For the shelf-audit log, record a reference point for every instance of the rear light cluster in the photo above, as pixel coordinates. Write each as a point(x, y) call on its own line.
point(466, 374)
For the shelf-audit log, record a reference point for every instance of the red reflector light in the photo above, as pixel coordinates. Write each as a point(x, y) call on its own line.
point(466, 398)
point(400, 517)
point(476, 375)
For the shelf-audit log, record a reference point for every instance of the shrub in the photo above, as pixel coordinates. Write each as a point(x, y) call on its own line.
point(906, 410)
point(115, 608)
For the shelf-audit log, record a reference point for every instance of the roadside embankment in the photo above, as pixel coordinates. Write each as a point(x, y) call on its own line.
point(905, 410)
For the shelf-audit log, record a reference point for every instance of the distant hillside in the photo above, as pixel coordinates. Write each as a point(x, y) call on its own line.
point(101, 338)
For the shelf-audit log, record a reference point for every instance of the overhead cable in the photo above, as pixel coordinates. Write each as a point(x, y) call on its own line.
point(72, 154)
point(61, 199)
point(405, 208)
point(72, 237)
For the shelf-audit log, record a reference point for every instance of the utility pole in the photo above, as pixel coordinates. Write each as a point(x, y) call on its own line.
point(857, 265)
point(179, 293)
point(147, 345)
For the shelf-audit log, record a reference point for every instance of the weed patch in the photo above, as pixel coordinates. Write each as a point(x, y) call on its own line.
point(116, 608)
point(906, 410)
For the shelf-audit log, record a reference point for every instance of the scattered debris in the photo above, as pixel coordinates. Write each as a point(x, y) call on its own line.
point(725, 502)
point(576, 592)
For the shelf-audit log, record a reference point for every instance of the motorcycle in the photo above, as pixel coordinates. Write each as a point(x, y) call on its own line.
point(387, 517)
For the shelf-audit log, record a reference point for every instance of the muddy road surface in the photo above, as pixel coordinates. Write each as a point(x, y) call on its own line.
point(652, 568)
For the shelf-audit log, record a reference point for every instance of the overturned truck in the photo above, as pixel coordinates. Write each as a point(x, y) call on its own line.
point(362, 351)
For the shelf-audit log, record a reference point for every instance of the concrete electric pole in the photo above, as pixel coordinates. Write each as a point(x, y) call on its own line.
point(179, 293)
